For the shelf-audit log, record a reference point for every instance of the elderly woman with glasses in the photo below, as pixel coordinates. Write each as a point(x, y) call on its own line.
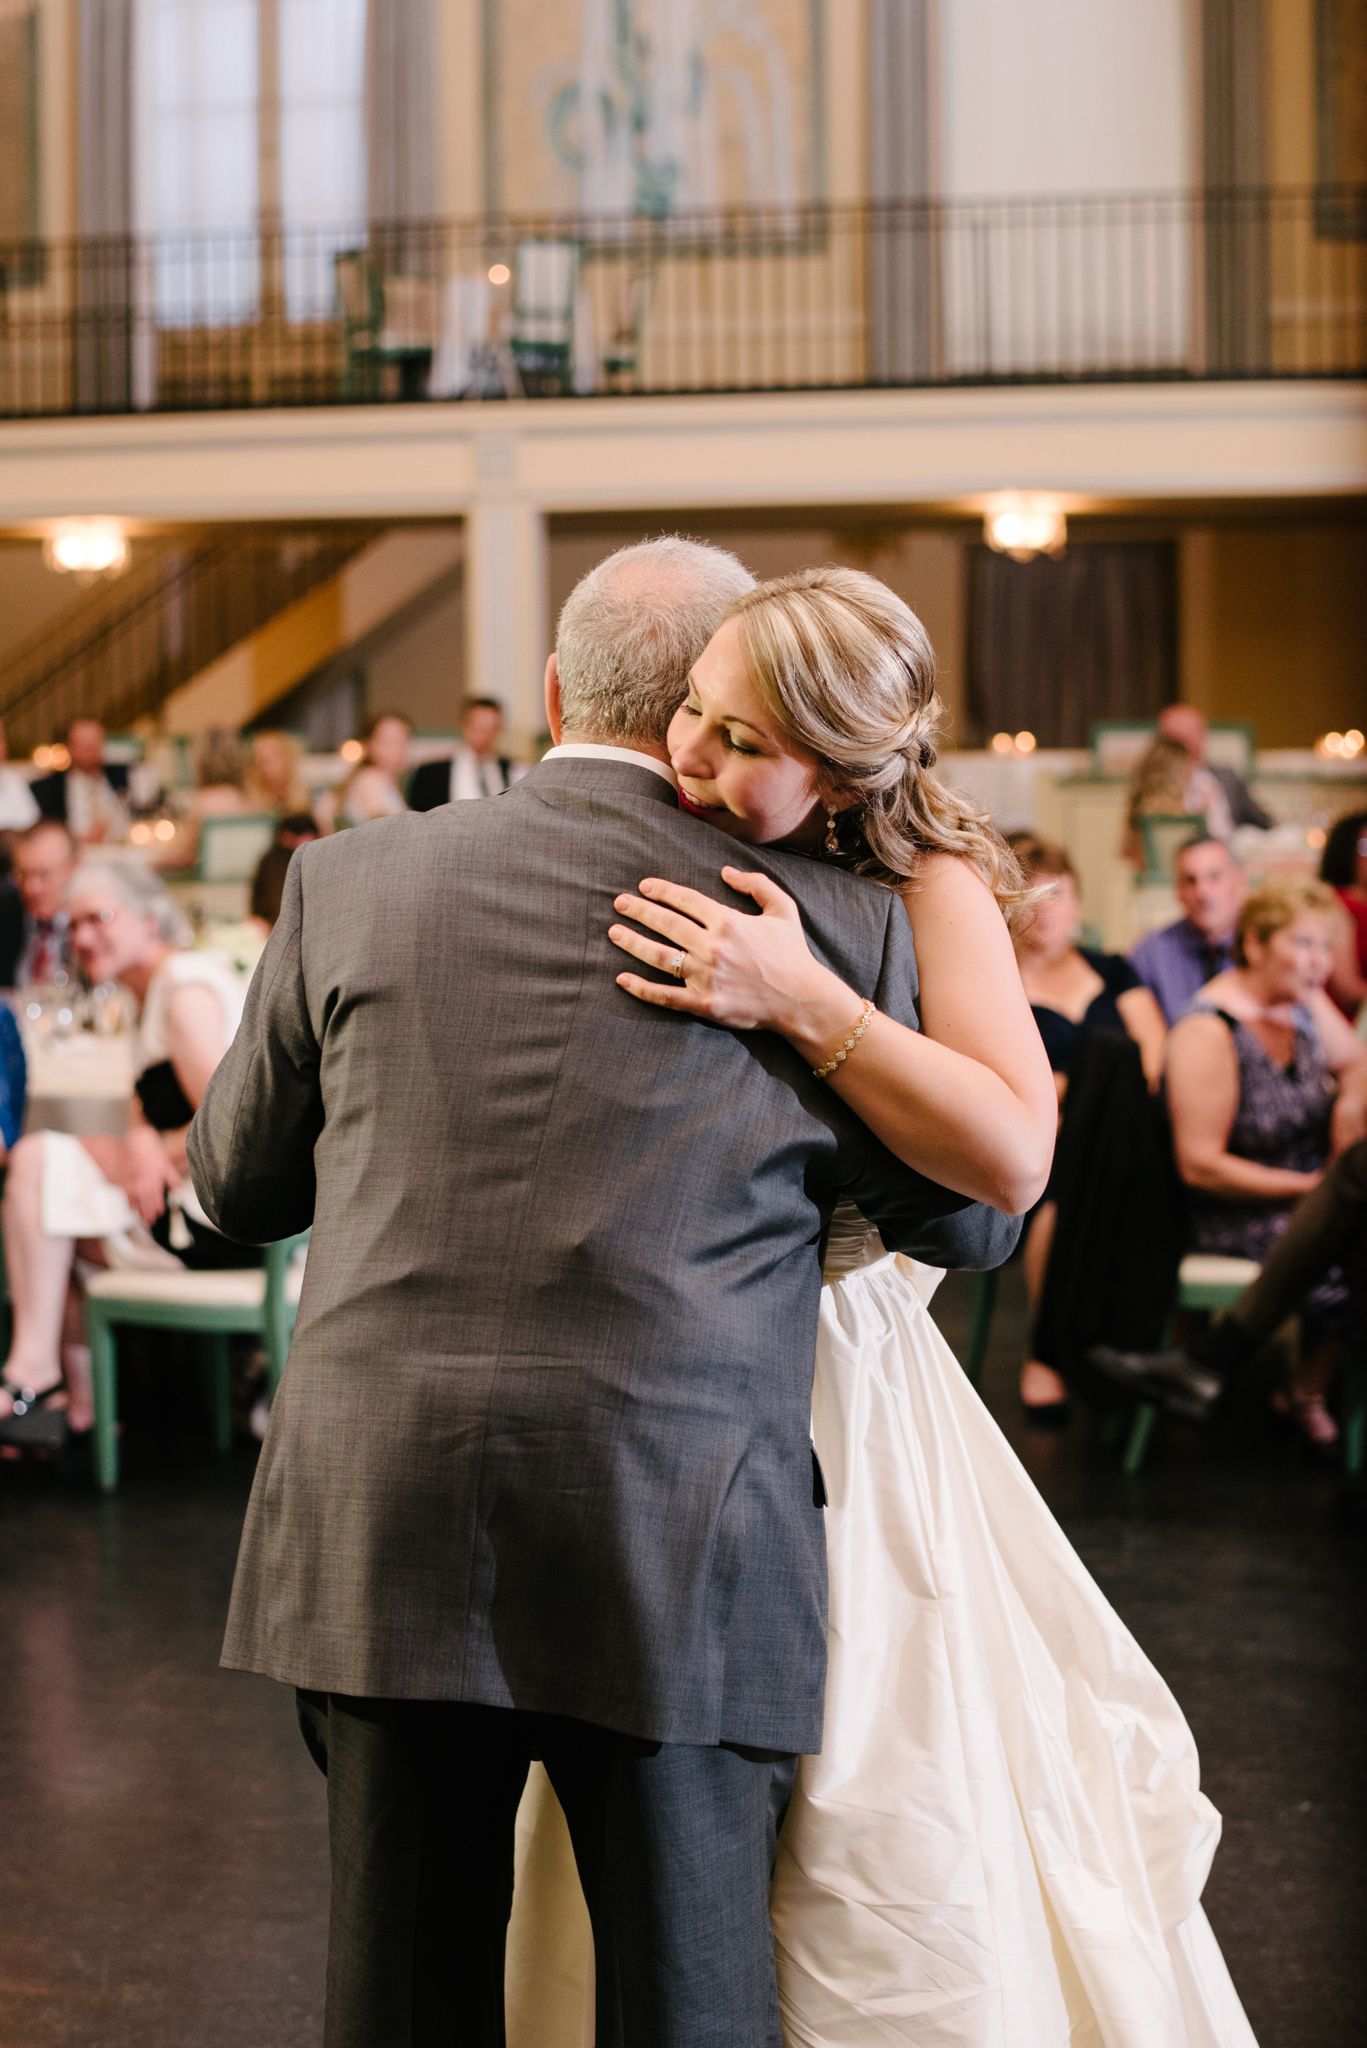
point(115, 1200)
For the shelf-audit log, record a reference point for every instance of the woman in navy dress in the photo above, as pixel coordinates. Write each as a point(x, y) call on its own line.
point(1075, 991)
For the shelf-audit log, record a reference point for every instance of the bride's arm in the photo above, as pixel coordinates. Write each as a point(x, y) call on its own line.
point(968, 1100)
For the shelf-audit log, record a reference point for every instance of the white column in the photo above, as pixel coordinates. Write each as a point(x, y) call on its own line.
point(507, 624)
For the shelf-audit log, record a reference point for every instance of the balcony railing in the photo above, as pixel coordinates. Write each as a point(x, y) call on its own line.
point(167, 627)
point(1124, 287)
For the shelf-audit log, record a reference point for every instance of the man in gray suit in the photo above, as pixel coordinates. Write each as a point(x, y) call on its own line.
point(539, 1480)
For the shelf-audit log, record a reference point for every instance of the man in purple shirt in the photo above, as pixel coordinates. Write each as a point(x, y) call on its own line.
point(1181, 958)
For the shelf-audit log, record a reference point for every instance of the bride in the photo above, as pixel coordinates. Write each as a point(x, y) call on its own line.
point(1003, 1842)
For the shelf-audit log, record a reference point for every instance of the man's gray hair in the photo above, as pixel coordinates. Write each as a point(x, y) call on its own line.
point(143, 892)
point(631, 630)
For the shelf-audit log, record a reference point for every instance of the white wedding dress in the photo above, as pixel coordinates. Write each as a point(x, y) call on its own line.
point(1003, 1842)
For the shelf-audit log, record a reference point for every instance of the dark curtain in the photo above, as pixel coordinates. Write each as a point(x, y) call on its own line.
point(104, 311)
point(1055, 645)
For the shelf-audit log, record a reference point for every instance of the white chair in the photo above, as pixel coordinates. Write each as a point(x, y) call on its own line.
point(545, 293)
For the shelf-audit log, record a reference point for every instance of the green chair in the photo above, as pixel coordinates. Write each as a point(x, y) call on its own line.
point(230, 846)
point(982, 1302)
point(1204, 1281)
point(255, 1301)
point(1162, 833)
point(369, 349)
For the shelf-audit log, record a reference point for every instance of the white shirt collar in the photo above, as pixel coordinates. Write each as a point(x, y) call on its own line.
point(584, 750)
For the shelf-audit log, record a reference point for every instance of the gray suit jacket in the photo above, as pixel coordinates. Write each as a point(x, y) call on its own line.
point(543, 1437)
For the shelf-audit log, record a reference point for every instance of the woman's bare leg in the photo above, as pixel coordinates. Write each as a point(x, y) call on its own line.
point(1040, 1385)
point(39, 1270)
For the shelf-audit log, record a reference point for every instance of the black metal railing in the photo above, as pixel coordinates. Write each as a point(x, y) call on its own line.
point(1265, 282)
point(164, 628)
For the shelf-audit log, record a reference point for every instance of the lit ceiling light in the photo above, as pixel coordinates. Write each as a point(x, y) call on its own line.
point(87, 548)
point(1025, 524)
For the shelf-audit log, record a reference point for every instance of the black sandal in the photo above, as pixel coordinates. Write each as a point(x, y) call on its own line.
point(31, 1424)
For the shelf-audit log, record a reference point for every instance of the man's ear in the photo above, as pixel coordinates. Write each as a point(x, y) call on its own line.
point(554, 717)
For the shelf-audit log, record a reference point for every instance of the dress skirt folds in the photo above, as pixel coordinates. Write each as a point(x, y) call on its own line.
point(1003, 1842)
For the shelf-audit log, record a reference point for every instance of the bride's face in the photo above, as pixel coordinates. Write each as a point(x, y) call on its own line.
point(734, 767)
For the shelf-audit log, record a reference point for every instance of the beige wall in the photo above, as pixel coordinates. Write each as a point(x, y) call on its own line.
point(417, 665)
point(1274, 626)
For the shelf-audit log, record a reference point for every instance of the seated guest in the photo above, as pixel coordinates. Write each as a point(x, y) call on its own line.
point(1074, 992)
point(1344, 868)
point(44, 862)
point(296, 828)
point(13, 1082)
point(268, 889)
point(1230, 803)
point(1328, 1229)
point(275, 780)
point(477, 768)
point(1252, 1071)
point(220, 777)
point(128, 1200)
point(374, 788)
point(1178, 960)
point(1163, 785)
point(18, 807)
point(87, 797)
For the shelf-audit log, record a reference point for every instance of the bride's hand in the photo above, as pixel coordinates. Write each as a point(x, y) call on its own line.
point(750, 973)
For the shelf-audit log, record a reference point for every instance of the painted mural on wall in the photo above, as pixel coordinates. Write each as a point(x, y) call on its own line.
point(654, 107)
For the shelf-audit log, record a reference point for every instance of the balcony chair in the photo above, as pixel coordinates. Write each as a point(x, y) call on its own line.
point(622, 356)
point(545, 289)
point(255, 1301)
point(372, 339)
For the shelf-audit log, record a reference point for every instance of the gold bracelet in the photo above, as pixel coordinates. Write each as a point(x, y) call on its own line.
point(850, 1043)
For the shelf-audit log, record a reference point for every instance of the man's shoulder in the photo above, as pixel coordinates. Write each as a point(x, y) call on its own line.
point(1169, 938)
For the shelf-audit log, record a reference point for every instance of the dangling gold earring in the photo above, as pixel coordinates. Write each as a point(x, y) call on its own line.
point(831, 843)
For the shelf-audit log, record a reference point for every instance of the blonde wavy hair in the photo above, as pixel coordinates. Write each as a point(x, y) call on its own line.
point(847, 670)
point(1160, 781)
point(1271, 908)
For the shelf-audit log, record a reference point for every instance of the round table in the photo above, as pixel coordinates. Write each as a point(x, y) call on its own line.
point(81, 1084)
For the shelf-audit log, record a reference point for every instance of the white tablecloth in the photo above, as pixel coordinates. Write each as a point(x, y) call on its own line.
point(80, 1084)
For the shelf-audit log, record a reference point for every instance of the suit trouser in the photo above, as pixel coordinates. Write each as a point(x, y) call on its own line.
point(1328, 1228)
point(675, 1847)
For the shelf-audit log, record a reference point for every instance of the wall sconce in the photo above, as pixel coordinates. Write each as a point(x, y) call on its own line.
point(1025, 524)
point(87, 548)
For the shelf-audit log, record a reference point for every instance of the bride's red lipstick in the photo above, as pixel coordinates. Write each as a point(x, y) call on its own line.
point(689, 803)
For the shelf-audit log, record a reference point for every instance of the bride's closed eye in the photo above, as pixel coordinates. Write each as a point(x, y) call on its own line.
point(695, 711)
